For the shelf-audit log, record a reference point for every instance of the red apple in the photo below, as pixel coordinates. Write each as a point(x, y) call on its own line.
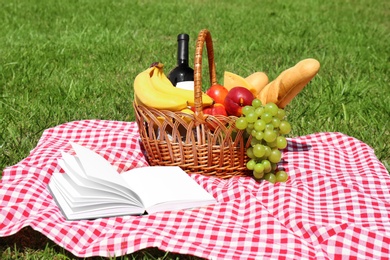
point(217, 92)
point(215, 109)
point(236, 99)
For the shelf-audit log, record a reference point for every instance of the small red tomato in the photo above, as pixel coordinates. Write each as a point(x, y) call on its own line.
point(218, 93)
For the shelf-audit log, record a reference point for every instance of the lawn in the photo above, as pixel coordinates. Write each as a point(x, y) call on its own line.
point(62, 61)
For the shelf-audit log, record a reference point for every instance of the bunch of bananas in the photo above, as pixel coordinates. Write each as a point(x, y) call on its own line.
point(152, 88)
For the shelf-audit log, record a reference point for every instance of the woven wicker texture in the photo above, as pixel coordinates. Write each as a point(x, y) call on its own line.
point(199, 143)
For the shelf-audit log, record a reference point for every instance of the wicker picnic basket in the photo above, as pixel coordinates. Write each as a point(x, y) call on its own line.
point(198, 143)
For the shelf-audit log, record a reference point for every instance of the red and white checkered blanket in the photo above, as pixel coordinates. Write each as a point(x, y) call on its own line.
point(336, 203)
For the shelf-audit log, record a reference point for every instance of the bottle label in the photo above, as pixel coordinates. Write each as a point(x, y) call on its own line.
point(189, 85)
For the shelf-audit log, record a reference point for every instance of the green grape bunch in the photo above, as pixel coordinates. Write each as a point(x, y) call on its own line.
point(267, 126)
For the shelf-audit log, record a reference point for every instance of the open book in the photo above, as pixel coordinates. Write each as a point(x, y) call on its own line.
point(91, 188)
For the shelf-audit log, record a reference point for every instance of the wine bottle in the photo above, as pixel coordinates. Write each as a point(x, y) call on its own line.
point(182, 75)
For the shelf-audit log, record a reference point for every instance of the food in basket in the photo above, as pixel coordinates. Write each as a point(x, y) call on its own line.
point(231, 80)
point(187, 111)
point(258, 80)
point(282, 89)
point(216, 145)
point(267, 126)
point(289, 83)
point(215, 109)
point(152, 88)
point(236, 99)
point(218, 93)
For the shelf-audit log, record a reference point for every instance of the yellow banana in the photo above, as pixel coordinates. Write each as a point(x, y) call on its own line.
point(147, 95)
point(188, 117)
point(163, 84)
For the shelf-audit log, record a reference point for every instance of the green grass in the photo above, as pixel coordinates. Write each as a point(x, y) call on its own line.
point(72, 60)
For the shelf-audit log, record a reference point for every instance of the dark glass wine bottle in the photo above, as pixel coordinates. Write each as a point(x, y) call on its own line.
point(182, 75)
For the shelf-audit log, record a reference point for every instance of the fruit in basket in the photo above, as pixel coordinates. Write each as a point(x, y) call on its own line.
point(146, 94)
point(218, 93)
point(163, 84)
point(267, 126)
point(289, 83)
point(215, 109)
point(237, 98)
point(153, 89)
point(188, 115)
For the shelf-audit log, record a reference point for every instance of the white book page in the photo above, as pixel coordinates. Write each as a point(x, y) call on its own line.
point(60, 200)
point(79, 195)
point(100, 170)
point(74, 163)
point(92, 209)
point(169, 187)
point(106, 212)
point(95, 166)
point(71, 166)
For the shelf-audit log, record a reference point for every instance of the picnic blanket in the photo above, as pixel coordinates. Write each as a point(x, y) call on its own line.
point(336, 203)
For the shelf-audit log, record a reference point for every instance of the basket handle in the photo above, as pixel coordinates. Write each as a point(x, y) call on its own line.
point(203, 37)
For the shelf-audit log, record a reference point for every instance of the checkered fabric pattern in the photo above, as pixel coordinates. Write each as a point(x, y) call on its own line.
point(335, 205)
